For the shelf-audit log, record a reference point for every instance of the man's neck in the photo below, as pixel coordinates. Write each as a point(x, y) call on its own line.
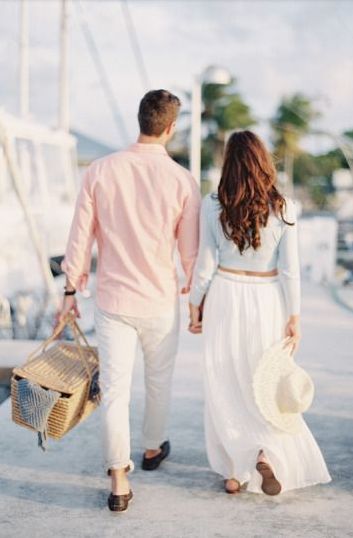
point(144, 139)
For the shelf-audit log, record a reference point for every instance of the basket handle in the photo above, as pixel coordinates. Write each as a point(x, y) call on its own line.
point(77, 334)
point(68, 319)
point(57, 330)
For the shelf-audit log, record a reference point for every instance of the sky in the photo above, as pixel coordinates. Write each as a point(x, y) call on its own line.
point(272, 48)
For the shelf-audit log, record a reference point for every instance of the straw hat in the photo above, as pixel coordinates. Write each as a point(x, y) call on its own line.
point(282, 389)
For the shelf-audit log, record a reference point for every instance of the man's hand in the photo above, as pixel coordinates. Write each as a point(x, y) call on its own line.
point(292, 329)
point(69, 304)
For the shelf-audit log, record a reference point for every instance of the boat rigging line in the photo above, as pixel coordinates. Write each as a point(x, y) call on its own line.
point(141, 67)
point(103, 75)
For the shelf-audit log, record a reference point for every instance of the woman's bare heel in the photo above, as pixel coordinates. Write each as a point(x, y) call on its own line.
point(232, 486)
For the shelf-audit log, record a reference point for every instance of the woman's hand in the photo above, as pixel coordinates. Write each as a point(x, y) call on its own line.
point(195, 325)
point(185, 290)
point(293, 331)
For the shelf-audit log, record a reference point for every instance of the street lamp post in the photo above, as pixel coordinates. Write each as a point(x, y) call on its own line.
point(211, 75)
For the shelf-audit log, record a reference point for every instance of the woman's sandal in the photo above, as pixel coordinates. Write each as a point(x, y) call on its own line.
point(232, 490)
point(270, 484)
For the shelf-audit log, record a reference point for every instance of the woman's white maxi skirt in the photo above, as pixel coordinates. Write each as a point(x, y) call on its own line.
point(244, 315)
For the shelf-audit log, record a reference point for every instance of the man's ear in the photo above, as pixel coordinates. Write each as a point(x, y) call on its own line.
point(170, 128)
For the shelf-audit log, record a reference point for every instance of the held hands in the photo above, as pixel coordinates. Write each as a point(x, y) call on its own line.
point(292, 329)
point(195, 324)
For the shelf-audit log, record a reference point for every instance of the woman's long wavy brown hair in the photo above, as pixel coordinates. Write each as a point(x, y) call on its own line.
point(247, 190)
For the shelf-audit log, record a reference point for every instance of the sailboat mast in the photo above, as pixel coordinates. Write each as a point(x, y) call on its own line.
point(64, 110)
point(24, 61)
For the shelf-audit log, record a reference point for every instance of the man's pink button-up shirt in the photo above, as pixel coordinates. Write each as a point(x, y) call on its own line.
point(138, 204)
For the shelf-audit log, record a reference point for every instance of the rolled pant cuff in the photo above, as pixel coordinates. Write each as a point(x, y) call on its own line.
point(130, 466)
point(150, 444)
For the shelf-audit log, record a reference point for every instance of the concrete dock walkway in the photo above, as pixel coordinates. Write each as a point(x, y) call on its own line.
point(62, 493)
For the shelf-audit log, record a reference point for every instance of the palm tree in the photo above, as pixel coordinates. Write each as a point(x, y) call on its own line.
point(290, 123)
point(224, 110)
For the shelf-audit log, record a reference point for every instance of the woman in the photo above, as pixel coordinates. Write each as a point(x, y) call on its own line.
point(248, 266)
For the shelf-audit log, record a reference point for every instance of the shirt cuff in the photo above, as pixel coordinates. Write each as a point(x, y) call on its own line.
point(78, 281)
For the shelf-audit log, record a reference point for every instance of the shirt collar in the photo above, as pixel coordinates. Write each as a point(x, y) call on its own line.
point(148, 148)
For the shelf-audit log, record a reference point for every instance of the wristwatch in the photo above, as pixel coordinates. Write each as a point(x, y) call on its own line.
point(69, 292)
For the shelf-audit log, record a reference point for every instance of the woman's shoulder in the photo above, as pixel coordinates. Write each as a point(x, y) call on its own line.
point(290, 207)
point(210, 207)
point(210, 201)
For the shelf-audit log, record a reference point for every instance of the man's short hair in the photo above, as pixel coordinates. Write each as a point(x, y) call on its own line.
point(157, 110)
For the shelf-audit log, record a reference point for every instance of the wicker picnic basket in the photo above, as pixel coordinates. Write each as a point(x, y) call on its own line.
point(67, 367)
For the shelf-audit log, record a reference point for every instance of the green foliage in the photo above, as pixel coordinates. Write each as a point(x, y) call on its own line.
point(315, 173)
point(291, 122)
point(319, 195)
point(207, 153)
point(224, 110)
point(234, 114)
point(307, 167)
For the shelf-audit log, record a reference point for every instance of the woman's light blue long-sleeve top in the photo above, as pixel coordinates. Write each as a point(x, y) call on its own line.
point(279, 249)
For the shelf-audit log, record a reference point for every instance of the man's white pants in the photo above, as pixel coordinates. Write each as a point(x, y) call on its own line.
point(117, 339)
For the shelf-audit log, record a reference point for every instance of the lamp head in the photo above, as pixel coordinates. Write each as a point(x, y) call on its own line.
point(215, 74)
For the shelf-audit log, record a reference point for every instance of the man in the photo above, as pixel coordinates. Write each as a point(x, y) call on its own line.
point(137, 203)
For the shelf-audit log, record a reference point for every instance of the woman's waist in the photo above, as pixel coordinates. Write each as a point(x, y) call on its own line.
point(244, 275)
point(234, 270)
point(252, 263)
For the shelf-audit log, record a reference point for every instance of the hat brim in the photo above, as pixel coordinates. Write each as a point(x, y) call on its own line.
point(274, 363)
